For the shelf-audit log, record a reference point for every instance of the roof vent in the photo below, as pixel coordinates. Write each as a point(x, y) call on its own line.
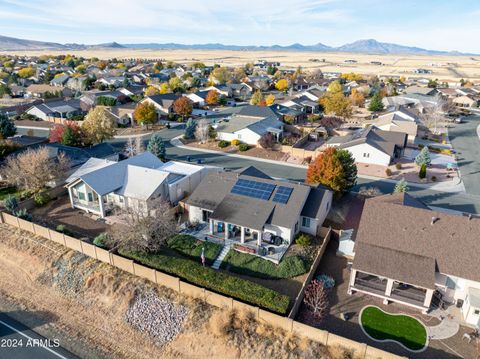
point(434, 219)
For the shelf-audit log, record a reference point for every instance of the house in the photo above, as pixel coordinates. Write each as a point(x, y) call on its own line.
point(101, 185)
point(223, 90)
point(303, 103)
point(40, 90)
point(60, 81)
point(400, 120)
point(122, 113)
point(248, 124)
point(163, 103)
point(197, 98)
point(56, 109)
point(372, 145)
point(113, 81)
point(408, 254)
point(465, 102)
point(426, 91)
point(89, 98)
point(250, 208)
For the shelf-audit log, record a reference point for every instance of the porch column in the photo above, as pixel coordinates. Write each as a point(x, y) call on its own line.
point(226, 230)
point(388, 290)
point(70, 194)
point(351, 283)
point(102, 211)
point(242, 234)
point(211, 225)
point(428, 298)
point(259, 239)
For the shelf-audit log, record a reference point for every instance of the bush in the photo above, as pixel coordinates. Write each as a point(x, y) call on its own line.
point(388, 172)
point(101, 241)
point(22, 214)
point(434, 178)
point(328, 281)
point(63, 229)
point(303, 239)
point(191, 247)
point(236, 142)
point(214, 280)
point(243, 147)
point(223, 144)
point(423, 171)
point(11, 204)
point(398, 166)
point(41, 199)
point(267, 141)
point(244, 263)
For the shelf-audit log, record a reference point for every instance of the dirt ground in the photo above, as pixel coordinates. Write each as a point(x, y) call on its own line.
point(64, 295)
point(442, 67)
point(253, 151)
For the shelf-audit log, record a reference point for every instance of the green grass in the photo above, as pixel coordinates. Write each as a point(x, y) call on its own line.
point(8, 191)
point(216, 281)
point(401, 328)
point(191, 247)
point(248, 264)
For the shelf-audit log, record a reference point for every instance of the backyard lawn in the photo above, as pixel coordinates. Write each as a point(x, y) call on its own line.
point(400, 328)
point(191, 247)
point(248, 264)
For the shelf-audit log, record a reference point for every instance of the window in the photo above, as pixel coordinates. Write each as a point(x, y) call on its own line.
point(239, 136)
point(90, 197)
point(476, 312)
point(451, 283)
point(306, 222)
point(366, 155)
point(81, 196)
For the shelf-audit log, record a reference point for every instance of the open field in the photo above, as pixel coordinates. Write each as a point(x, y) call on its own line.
point(443, 67)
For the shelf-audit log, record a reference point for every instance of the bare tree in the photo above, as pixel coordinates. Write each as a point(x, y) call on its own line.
point(202, 130)
point(370, 191)
point(144, 229)
point(33, 169)
point(435, 112)
point(139, 147)
point(134, 147)
point(316, 299)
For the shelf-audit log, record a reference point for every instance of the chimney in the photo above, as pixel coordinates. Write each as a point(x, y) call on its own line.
point(434, 219)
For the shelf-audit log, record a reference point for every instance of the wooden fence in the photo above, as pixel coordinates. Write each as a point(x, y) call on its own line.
point(361, 350)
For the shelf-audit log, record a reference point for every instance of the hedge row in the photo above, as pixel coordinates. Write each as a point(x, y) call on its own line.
point(217, 281)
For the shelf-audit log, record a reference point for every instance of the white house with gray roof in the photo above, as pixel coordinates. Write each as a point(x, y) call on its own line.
point(100, 185)
point(257, 212)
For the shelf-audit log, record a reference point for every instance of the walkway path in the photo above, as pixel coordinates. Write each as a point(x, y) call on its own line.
point(223, 253)
point(446, 329)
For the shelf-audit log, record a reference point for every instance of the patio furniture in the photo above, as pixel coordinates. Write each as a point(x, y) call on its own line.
point(271, 250)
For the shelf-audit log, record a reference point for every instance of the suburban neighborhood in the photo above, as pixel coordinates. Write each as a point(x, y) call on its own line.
point(237, 201)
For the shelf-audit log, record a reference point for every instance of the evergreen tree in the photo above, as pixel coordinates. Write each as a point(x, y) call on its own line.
point(157, 146)
point(376, 103)
point(190, 128)
point(423, 158)
point(401, 186)
point(7, 127)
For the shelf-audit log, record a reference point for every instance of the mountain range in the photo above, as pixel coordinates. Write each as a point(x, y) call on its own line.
point(369, 46)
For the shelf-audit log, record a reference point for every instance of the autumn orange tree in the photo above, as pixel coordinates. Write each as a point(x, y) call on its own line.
point(336, 104)
point(183, 107)
point(212, 97)
point(145, 114)
point(333, 168)
point(357, 98)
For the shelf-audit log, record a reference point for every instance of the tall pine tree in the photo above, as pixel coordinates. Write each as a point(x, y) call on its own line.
point(157, 146)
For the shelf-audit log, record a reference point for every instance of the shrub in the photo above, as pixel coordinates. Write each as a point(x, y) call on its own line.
point(236, 142)
point(303, 239)
point(63, 229)
point(223, 144)
point(41, 199)
point(434, 178)
point(243, 147)
point(423, 171)
point(388, 172)
point(22, 214)
point(398, 166)
point(214, 280)
point(328, 281)
point(267, 141)
point(101, 241)
point(11, 203)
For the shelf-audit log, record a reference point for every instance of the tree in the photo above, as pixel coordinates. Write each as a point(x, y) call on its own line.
point(370, 191)
point(267, 141)
point(190, 128)
point(144, 228)
point(4, 90)
point(336, 104)
point(282, 85)
point(176, 84)
point(401, 186)
point(270, 99)
point(202, 130)
point(316, 299)
point(157, 146)
point(134, 147)
point(376, 103)
point(212, 97)
point(257, 98)
point(99, 125)
point(145, 113)
point(164, 88)
point(26, 72)
point(32, 169)
point(221, 75)
point(352, 76)
point(151, 91)
point(357, 98)
point(335, 87)
point(182, 106)
point(333, 168)
point(434, 112)
point(423, 171)
point(423, 158)
point(7, 127)
point(68, 134)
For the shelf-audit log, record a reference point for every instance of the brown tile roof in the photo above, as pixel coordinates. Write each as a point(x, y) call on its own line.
point(397, 223)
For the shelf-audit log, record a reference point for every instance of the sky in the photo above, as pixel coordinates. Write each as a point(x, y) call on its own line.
point(433, 24)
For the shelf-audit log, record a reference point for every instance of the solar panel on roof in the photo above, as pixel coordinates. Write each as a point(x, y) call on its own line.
point(282, 195)
point(253, 189)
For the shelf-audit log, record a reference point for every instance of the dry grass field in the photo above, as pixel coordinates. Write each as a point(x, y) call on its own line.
point(443, 67)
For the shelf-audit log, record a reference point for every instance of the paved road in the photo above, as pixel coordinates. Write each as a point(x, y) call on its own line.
point(454, 201)
point(466, 143)
point(19, 342)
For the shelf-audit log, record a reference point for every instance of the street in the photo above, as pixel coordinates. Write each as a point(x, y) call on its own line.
point(19, 342)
